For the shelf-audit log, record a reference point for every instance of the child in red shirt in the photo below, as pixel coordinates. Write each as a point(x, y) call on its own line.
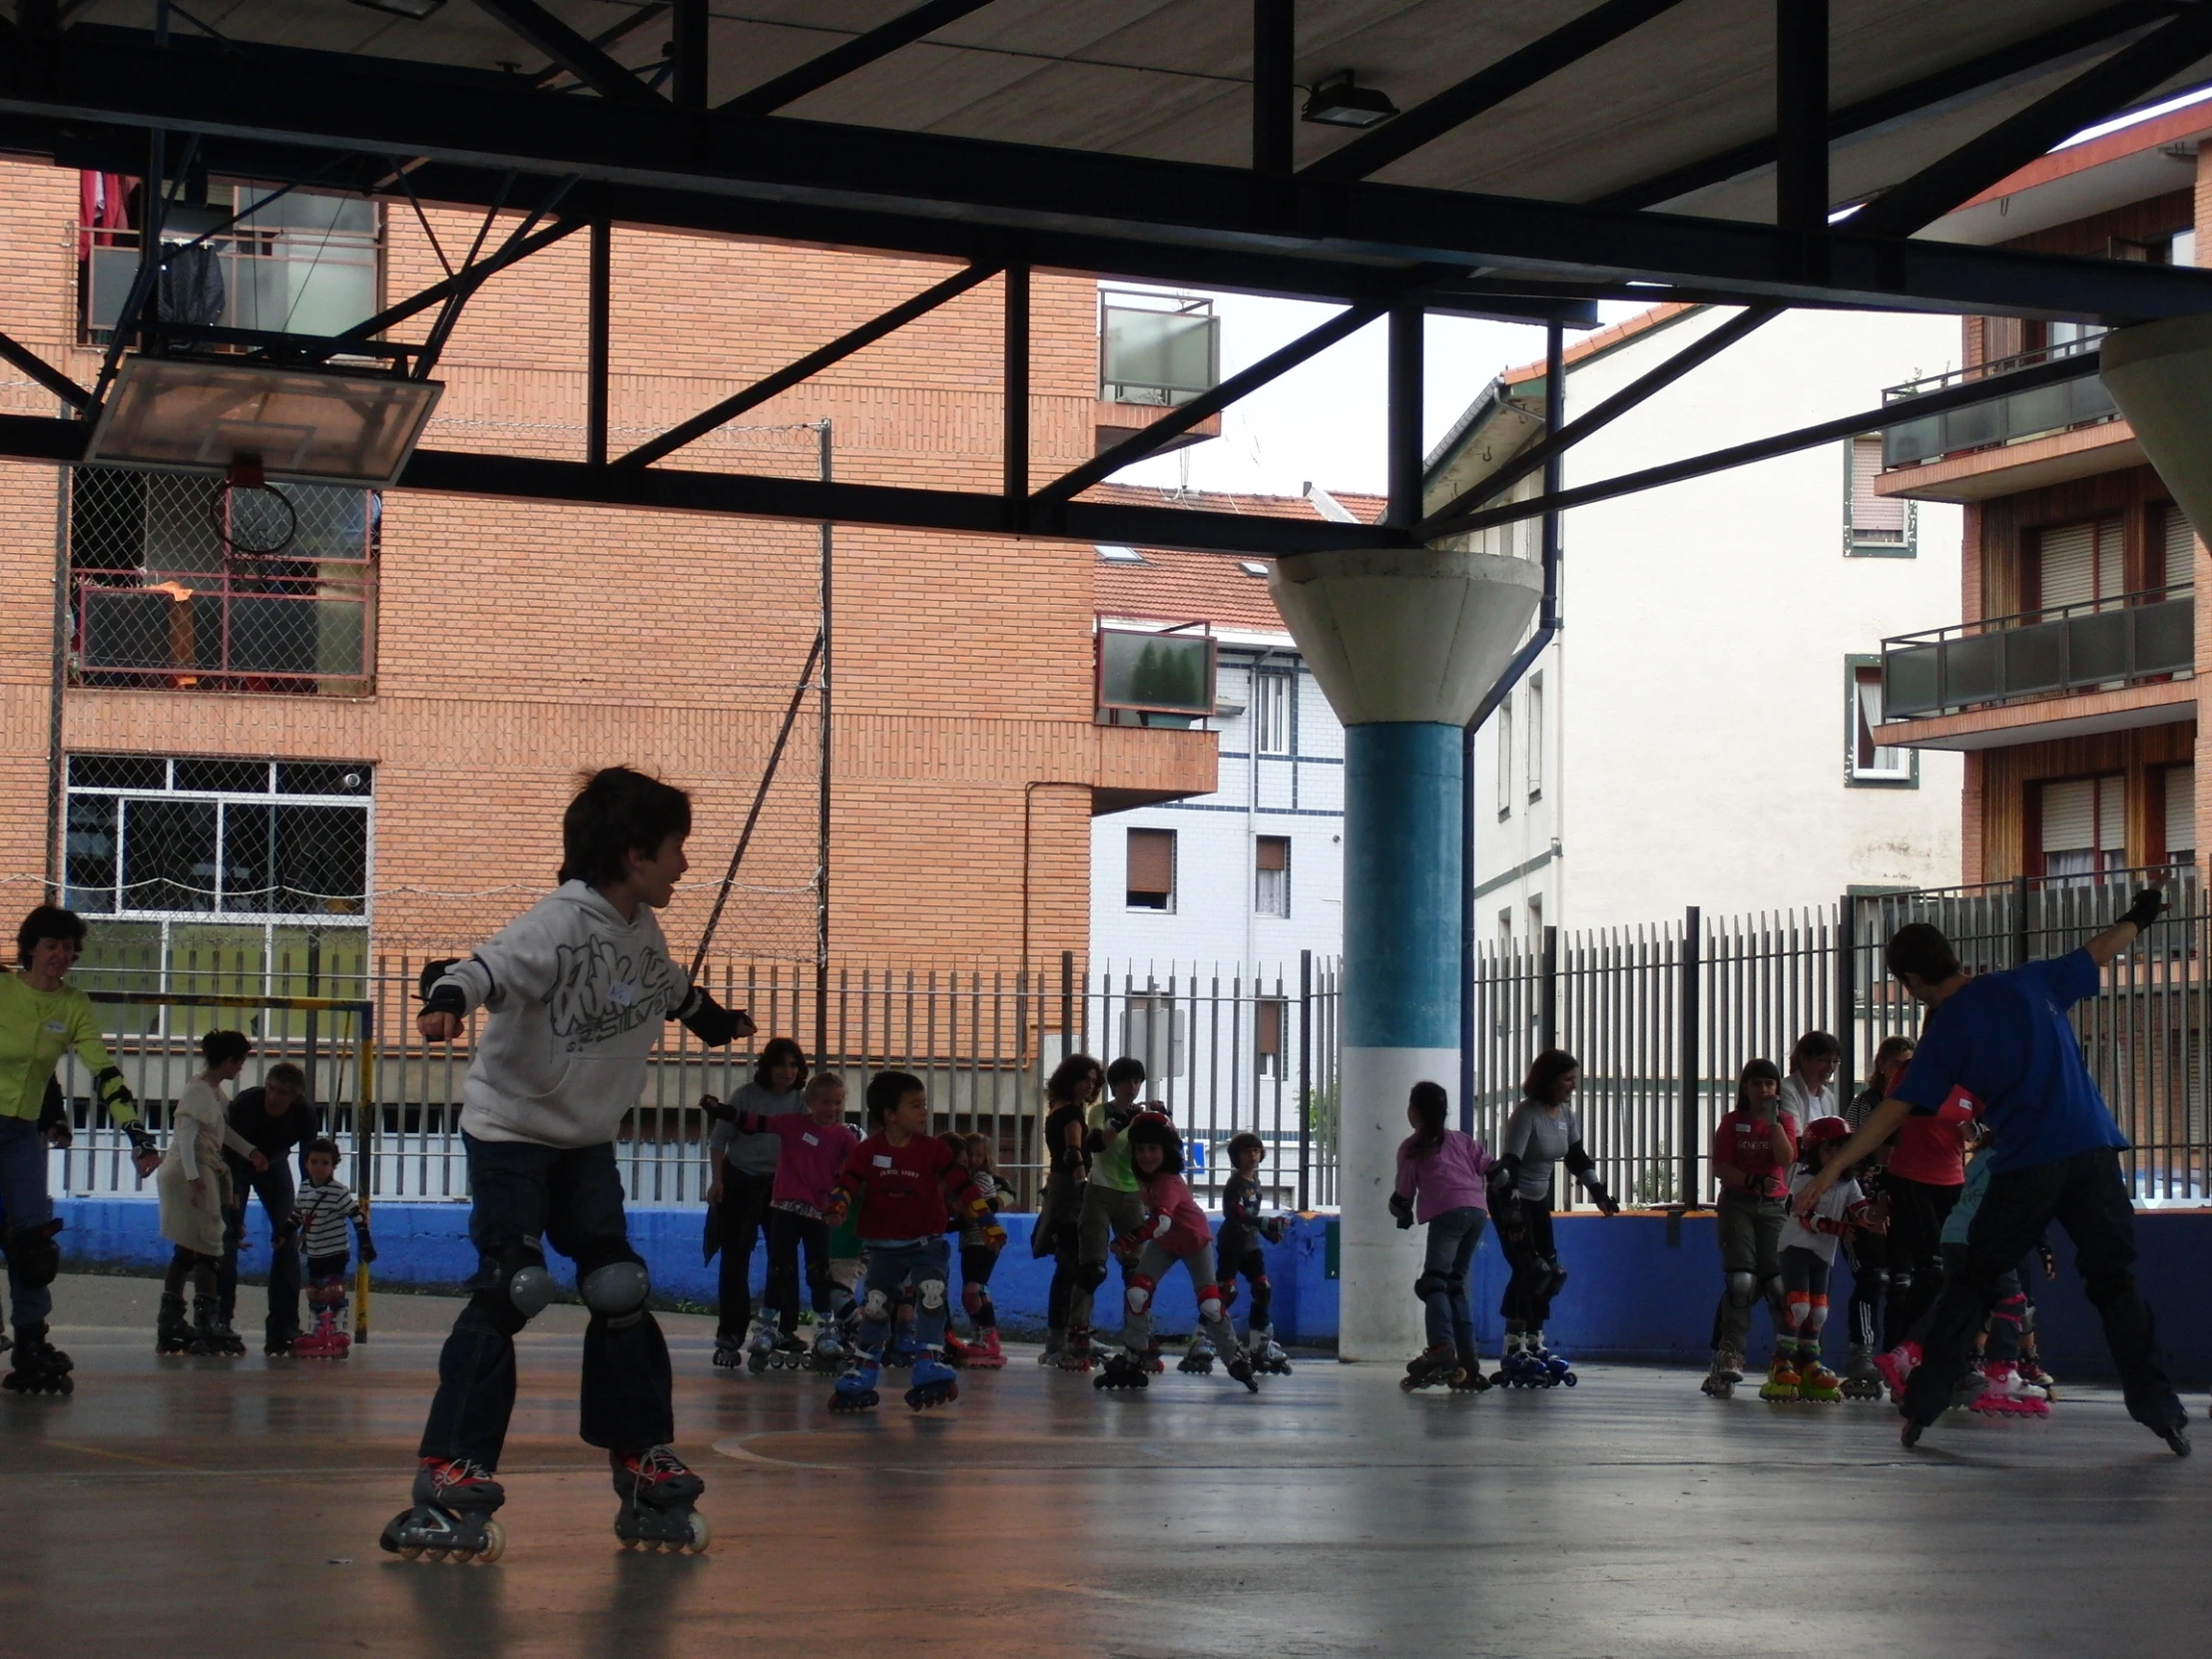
point(816, 1146)
point(1173, 1230)
point(1752, 1149)
point(907, 1185)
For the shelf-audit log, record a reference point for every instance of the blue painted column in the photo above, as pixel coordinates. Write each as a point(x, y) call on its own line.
point(1400, 1019)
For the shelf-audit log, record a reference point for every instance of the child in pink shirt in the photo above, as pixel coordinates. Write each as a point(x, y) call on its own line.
point(1442, 1181)
point(816, 1147)
point(1173, 1230)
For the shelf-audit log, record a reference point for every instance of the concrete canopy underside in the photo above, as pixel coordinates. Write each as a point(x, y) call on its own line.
point(207, 1508)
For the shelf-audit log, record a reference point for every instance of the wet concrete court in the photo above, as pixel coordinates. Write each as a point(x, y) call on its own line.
point(206, 1508)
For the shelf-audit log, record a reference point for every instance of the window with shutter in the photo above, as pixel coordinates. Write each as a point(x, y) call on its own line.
point(2085, 828)
point(2181, 815)
point(2178, 545)
point(1872, 763)
point(1268, 1020)
point(1270, 884)
point(2079, 564)
point(1879, 523)
point(1270, 712)
point(1152, 870)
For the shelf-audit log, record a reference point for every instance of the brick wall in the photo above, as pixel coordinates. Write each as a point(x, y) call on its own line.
point(518, 643)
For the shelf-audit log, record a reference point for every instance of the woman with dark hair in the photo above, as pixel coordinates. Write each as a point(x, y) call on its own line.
point(1752, 1149)
point(741, 1176)
point(1076, 1082)
point(1542, 1134)
point(1442, 1175)
point(194, 1186)
point(1809, 1090)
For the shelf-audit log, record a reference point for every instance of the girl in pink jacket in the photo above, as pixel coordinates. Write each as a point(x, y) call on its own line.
point(1173, 1230)
point(1442, 1181)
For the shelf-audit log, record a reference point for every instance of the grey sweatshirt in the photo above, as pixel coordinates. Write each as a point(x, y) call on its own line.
point(577, 997)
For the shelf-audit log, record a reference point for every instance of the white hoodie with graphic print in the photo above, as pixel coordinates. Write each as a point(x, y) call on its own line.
point(576, 998)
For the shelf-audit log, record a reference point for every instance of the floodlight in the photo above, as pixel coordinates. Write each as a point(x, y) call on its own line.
point(1336, 102)
point(182, 413)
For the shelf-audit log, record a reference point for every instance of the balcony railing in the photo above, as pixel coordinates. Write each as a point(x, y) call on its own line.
point(199, 631)
point(288, 281)
point(2087, 646)
point(1156, 348)
point(2001, 420)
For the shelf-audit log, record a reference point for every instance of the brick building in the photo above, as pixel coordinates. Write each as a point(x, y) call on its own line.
point(407, 691)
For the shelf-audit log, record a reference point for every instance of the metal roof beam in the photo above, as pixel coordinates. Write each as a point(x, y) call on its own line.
point(44, 372)
point(546, 33)
point(464, 281)
point(840, 61)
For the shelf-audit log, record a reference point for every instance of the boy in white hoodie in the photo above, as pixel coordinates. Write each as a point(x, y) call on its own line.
point(576, 991)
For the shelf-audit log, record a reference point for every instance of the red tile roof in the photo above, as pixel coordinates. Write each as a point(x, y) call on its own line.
point(1604, 339)
point(1203, 587)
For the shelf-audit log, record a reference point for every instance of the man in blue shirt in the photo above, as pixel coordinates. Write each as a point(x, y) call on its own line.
point(2004, 1040)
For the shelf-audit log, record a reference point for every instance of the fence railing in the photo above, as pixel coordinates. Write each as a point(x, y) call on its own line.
point(1227, 1051)
point(1662, 1017)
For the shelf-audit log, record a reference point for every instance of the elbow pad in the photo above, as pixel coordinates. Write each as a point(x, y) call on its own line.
point(442, 999)
point(1579, 1163)
point(707, 1019)
point(1507, 1171)
point(114, 1094)
point(52, 1111)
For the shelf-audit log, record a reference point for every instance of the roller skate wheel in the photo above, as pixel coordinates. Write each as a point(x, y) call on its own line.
point(1569, 1379)
point(410, 1552)
point(435, 1554)
point(495, 1544)
point(700, 1536)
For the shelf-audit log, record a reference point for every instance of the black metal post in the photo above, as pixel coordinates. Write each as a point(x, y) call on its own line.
point(1846, 996)
point(2020, 920)
point(1067, 1003)
point(1306, 1078)
point(1688, 1058)
point(1015, 388)
point(597, 330)
point(1274, 51)
point(688, 48)
point(1547, 993)
point(824, 768)
point(1405, 418)
point(1801, 113)
point(314, 988)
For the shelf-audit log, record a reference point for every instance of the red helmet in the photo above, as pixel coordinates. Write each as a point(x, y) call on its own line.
point(1826, 1129)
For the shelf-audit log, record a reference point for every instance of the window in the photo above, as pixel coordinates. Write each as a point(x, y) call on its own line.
point(2079, 564)
point(1270, 712)
point(2181, 815)
point(1505, 757)
point(2082, 828)
point(1156, 1029)
point(1536, 920)
point(2178, 545)
point(1270, 876)
point(240, 863)
point(1270, 1017)
point(164, 594)
point(1535, 736)
point(1152, 870)
point(1874, 524)
point(1504, 929)
point(1868, 761)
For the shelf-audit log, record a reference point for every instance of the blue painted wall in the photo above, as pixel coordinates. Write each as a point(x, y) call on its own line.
point(1632, 1293)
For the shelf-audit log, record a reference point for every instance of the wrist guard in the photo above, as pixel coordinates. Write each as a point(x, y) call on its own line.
point(140, 1140)
point(1402, 1209)
point(437, 998)
point(707, 1019)
point(1275, 1228)
point(2145, 909)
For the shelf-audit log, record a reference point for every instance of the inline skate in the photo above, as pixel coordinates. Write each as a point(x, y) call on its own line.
point(759, 1346)
point(1816, 1383)
point(855, 1390)
point(2032, 1372)
point(1896, 1366)
point(327, 1341)
point(40, 1367)
point(1267, 1355)
point(1782, 1380)
point(934, 1383)
point(173, 1326)
point(980, 1354)
point(1077, 1355)
point(1240, 1371)
point(729, 1353)
point(790, 1354)
point(1471, 1381)
point(1123, 1371)
point(904, 1350)
point(829, 1351)
point(1557, 1370)
point(1728, 1370)
point(2005, 1394)
point(1861, 1379)
point(1197, 1359)
point(451, 1519)
point(211, 1333)
point(657, 1494)
point(1432, 1367)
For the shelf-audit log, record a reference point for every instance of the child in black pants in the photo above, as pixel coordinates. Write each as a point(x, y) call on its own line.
point(576, 989)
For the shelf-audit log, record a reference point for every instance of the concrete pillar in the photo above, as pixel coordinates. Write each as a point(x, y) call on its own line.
point(1404, 643)
point(2160, 375)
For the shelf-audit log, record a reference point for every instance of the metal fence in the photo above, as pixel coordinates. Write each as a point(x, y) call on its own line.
point(1663, 1017)
point(1226, 1052)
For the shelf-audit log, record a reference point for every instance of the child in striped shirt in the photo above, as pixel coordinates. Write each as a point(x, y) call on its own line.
point(318, 1220)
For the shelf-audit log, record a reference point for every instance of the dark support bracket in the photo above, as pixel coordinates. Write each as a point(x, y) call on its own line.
point(1405, 414)
point(548, 33)
point(465, 280)
point(1784, 443)
point(1557, 440)
point(597, 342)
point(791, 374)
point(1801, 115)
point(44, 372)
point(688, 52)
point(857, 53)
point(1274, 91)
point(1016, 388)
point(1139, 444)
point(1485, 90)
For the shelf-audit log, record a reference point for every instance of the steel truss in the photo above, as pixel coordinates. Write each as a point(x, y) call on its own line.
point(590, 141)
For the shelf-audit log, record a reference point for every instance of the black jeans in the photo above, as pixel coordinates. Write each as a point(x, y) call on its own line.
point(1918, 1212)
point(1527, 1299)
point(1869, 1254)
point(571, 1198)
point(744, 1210)
point(274, 1187)
point(787, 1231)
point(2087, 1195)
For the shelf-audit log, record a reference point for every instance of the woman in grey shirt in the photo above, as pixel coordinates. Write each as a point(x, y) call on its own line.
point(740, 1171)
point(1541, 1134)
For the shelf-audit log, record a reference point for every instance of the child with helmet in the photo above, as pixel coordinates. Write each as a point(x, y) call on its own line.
point(1809, 1260)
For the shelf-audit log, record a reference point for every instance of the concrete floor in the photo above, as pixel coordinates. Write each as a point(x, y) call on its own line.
point(186, 1507)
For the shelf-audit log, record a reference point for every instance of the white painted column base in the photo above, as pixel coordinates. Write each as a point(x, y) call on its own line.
point(1378, 1318)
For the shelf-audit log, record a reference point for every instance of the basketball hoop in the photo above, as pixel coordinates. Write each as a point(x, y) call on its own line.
point(245, 474)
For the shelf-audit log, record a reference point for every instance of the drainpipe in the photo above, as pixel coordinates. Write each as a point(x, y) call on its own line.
point(1548, 627)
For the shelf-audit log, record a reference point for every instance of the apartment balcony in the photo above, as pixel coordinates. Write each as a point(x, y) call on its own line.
point(1154, 353)
point(2101, 665)
point(2024, 441)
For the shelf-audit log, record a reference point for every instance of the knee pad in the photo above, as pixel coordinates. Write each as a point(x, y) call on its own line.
point(1815, 1314)
point(2028, 1318)
point(1432, 1284)
point(34, 1258)
point(1140, 1292)
point(613, 1281)
point(516, 1278)
point(1555, 1276)
point(1743, 1290)
point(877, 1305)
point(1208, 1305)
point(1090, 1276)
point(932, 1294)
point(1260, 1287)
point(1797, 1304)
point(971, 1297)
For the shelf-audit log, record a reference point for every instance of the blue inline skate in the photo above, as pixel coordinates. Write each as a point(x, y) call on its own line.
point(904, 1350)
point(1548, 1369)
point(855, 1390)
point(935, 1383)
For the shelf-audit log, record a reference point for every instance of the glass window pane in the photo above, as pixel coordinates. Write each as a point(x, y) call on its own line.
point(90, 852)
point(248, 857)
point(225, 777)
point(323, 777)
point(117, 772)
point(321, 860)
point(168, 855)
